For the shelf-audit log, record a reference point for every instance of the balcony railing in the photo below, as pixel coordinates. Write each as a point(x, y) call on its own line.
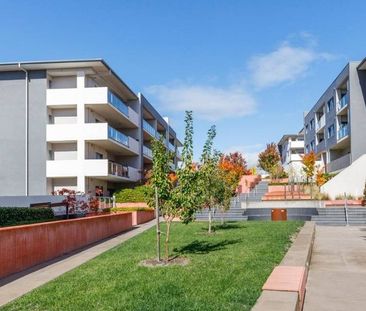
point(321, 123)
point(117, 103)
point(171, 147)
point(147, 151)
point(148, 128)
point(117, 136)
point(117, 169)
point(160, 136)
point(343, 102)
point(343, 132)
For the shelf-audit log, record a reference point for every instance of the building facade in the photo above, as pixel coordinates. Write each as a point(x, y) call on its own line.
point(335, 127)
point(76, 125)
point(291, 148)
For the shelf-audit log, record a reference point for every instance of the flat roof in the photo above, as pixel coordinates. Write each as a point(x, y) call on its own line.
point(98, 64)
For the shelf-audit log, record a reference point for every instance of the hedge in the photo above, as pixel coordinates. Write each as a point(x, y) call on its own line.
point(22, 215)
point(137, 194)
point(132, 209)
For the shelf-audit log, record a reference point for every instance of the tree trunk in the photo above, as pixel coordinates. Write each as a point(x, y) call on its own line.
point(157, 215)
point(209, 220)
point(168, 224)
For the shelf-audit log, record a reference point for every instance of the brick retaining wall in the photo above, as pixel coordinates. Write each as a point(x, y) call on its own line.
point(22, 247)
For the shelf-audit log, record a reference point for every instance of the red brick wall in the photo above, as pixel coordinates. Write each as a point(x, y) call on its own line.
point(24, 246)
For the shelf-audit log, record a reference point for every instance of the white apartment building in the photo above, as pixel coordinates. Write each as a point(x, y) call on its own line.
point(291, 148)
point(76, 125)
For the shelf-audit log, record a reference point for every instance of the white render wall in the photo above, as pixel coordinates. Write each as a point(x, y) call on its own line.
point(350, 181)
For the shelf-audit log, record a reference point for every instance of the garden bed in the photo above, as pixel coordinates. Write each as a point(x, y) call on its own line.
point(226, 271)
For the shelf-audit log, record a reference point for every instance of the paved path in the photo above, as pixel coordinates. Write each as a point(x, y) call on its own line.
point(337, 276)
point(23, 282)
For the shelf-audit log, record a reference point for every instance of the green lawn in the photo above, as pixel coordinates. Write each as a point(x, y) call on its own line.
point(226, 272)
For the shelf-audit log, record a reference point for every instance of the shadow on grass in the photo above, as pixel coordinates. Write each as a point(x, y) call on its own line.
point(228, 225)
point(204, 247)
point(224, 226)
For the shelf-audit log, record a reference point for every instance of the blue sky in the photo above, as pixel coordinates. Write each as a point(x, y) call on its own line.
point(250, 67)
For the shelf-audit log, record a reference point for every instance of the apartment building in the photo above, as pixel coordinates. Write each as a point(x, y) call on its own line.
point(291, 149)
point(74, 124)
point(335, 127)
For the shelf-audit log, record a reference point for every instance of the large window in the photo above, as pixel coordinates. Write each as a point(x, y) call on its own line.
point(312, 145)
point(312, 124)
point(330, 105)
point(331, 131)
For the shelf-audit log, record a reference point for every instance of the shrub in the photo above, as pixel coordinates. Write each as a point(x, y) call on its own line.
point(131, 209)
point(322, 196)
point(348, 197)
point(138, 194)
point(23, 215)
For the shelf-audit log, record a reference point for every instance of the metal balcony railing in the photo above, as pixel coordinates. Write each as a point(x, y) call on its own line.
point(343, 102)
point(342, 132)
point(117, 136)
point(148, 128)
point(147, 151)
point(117, 169)
point(117, 103)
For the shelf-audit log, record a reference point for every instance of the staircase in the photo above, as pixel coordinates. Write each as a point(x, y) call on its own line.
point(256, 194)
point(336, 216)
point(235, 212)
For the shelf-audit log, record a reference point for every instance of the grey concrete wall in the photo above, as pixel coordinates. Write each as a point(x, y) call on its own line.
point(12, 133)
point(358, 111)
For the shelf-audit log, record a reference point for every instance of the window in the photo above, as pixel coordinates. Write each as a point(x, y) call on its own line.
point(307, 150)
point(312, 124)
point(331, 131)
point(98, 156)
point(306, 128)
point(312, 145)
point(330, 105)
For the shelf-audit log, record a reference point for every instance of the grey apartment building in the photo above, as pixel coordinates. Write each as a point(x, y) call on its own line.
point(74, 124)
point(335, 128)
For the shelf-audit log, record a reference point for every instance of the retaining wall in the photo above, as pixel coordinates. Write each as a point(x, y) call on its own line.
point(284, 289)
point(140, 217)
point(22, 247)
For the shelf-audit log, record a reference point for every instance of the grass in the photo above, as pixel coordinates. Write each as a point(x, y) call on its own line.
point(226, 272)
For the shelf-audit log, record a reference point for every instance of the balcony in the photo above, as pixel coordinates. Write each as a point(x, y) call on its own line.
point(178, 154)
point(297, 144)
point(149, 128)
point(99, 99)
point(320, 123)
point(343, 132)
point(101, 169)
point(342, 103)
point(118, 136)
point(320, 146)
point(100, 134)
point(171, 147)
point(339, 164)
point(147, 152)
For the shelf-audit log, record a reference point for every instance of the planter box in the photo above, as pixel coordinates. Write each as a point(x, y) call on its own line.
point(140, 217)
point(22, 247)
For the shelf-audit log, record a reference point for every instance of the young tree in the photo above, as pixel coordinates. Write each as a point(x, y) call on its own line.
point(269, 159)
point(211, 181)
point(308, 161)
point(177, 192)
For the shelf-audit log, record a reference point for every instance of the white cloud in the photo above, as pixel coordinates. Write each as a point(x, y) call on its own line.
point(208, 102)
point(285, 64)
point(250, 152)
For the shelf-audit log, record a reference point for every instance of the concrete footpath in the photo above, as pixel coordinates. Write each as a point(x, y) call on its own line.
point(337, 275)
point(23, 282)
